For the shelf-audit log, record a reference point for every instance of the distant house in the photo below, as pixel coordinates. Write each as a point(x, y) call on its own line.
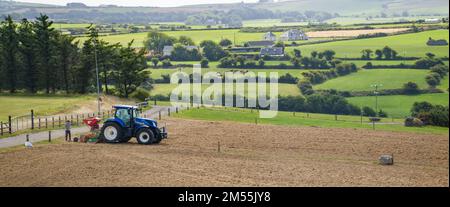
point(432, 42)
point(293, 35)
point(167, 50)
point(272, 51)
point(270, 36)
point(264, 43)
point(244, 49)
point(432, 21)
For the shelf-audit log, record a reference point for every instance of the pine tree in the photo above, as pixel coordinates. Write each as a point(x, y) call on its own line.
point(28, 52)
point(10, 44)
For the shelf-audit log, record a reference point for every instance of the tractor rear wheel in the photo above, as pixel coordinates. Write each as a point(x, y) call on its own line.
point(146, 136)
point(111, 132)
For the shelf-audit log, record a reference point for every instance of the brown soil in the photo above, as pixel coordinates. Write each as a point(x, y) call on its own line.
point(250, 155)
point(353, 33)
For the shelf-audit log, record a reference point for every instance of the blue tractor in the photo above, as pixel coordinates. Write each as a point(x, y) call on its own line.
point(127, 124)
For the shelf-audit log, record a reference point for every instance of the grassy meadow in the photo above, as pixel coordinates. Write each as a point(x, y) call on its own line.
point(363, 79)
point(410, 45)
point(18, 105)
point(399, 105)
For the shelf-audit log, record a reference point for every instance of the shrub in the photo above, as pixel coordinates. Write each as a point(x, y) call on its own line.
point(140, 94)
point(288, 78)
point(166, 63)
point(427, 63)
point(430, 114)
point(367, 111)
point(306, 87)
point(411, 88)
point(368, 65)
point(432, 81)
point(204, 63)
point(382, 114)
point(440, 69)
point(413, 122)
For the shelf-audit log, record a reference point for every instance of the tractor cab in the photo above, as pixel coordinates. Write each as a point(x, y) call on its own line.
point(127, 124)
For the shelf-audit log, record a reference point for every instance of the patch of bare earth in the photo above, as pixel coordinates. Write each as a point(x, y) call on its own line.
point(250, 155)
point(353, 33)
point(106, 104)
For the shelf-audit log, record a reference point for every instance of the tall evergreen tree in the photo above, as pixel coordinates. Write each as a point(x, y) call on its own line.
point(44, 33)
point(67, 52)
point(28, 52)
point(10, 44)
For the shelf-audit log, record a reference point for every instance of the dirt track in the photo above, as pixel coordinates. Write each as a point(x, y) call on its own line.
point(250, 156)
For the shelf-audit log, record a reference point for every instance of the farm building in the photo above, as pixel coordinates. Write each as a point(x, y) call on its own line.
point(293, 35)
point(270, 36)
point(433, 42)
point(432, 21)
point(272, 51)
point(264, 43)
point(167, 50)
point(244, 49)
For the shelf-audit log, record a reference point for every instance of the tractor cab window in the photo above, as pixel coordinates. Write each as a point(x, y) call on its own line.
point(124, 115)
point(136, 113)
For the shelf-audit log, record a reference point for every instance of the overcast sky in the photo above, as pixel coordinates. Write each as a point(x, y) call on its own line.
point(158, 3)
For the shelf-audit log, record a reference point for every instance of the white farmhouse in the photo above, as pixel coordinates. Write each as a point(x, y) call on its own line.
point(167, 50)
point(270, 36)
point(293, 35)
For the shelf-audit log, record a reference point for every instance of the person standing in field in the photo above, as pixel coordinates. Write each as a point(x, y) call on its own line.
point(68, 132)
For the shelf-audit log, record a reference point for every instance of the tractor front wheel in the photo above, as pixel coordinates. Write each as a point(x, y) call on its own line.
point(146, 136)
point(111, 132)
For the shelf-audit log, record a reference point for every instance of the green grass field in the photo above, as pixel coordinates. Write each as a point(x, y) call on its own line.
point(300, 119)
point(363, 79)
point(283, 89)
point(18, 105)
point(399, 105)
point(411, 45)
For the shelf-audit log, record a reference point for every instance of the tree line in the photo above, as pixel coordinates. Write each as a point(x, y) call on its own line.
point(36, 58)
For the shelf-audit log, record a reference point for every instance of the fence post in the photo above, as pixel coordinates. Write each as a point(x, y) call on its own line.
point(176, 110)
point(59, 121)
point(53, 122)
point(1, 128)
point(28, 137)
point(168, 111)
point(32, 119)
point(46, 123)
point(49, 136)
point(9, 125)
point(39, 123)
point(71, 119)
point(78, 123)
point(159, 115)
point(155, 102)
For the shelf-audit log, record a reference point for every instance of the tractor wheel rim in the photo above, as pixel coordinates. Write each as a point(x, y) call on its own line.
point(144, 137)
point(110, 133)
